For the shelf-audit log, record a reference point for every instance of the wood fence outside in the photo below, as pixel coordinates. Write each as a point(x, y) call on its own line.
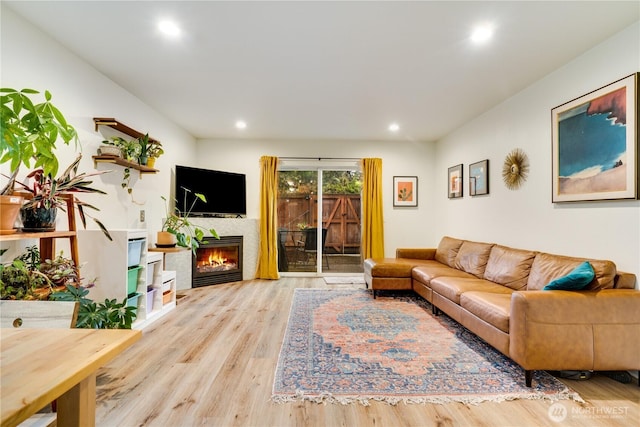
point(340, 216)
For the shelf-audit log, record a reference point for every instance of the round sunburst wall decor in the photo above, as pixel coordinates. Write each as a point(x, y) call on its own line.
point(515, 169)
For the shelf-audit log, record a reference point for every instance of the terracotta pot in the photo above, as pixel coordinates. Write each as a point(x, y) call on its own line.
point(164, 239)
point(9, 208)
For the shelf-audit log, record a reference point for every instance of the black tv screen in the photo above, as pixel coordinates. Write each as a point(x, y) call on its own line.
point(225, 191)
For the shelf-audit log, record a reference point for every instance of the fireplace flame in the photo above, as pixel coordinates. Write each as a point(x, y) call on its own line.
point(215, 258)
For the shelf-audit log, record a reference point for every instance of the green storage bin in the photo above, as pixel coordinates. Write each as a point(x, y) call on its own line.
point(132, 280)
point(132, 301)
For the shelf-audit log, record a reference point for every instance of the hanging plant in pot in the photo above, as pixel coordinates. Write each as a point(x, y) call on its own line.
point(28, 135)
point(49, 195)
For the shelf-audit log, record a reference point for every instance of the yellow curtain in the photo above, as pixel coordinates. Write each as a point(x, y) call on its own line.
point(372, 219)
point(268, 249)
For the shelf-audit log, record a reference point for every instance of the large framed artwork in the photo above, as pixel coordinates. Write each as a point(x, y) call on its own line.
point(479, 178)
point(405, 191)
point(595, 144)
point(454, 181)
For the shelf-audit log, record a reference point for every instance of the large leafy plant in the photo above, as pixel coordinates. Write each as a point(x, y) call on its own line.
point(29, 131)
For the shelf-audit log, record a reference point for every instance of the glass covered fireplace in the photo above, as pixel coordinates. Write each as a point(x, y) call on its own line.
point(217, 261)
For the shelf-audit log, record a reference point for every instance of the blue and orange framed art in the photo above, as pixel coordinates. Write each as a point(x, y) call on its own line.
point(595, 144)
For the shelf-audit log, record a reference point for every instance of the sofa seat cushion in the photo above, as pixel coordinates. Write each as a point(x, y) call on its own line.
point(491, 307)
point(509, 267)
point(452, 287)
point(548, 267)
point(390, 267)
point(426, 272)
point(472, 257)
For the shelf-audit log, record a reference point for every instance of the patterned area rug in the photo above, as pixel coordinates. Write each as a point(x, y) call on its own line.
point(343, 346)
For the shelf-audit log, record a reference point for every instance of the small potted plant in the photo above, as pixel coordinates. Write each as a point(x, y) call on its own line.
point(29, 132)
point(178, 230)
point(109, 148)
point(154, 151)
point(49, 194)
point(129, 148)
point(145, 144)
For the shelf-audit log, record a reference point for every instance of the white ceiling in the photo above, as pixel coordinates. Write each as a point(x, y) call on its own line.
point(326, 70)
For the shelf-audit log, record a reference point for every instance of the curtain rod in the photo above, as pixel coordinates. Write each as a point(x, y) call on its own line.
point(319, 158)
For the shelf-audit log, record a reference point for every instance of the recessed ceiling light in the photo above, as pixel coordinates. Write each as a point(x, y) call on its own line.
point(481, 34)
point(169, 28)
point(241, 124)
point(394, 127)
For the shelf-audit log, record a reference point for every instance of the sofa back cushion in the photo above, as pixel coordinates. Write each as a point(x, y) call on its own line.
point(547, 267)
point(447, 250)
point(509, 267)
point(472, 257)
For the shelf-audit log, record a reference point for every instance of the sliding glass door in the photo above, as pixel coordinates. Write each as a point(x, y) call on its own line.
point(319, 225)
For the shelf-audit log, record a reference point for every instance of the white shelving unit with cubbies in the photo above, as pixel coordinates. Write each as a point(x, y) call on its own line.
point(124, 269)
point(158, 300)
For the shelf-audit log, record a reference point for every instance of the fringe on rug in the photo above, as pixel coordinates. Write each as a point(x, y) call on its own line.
point(325, 398)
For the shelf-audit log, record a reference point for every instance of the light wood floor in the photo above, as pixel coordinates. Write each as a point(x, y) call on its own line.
point(211, 363)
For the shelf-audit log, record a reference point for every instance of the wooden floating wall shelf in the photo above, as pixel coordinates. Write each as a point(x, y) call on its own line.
point(122, 162)
point(119, 126)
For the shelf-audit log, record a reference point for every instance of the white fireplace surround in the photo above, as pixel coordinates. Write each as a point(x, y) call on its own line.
point(181, 261)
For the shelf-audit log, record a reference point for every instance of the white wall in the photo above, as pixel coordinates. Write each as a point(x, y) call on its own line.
point(30, 59)
point(527, 218)
point(404, 227)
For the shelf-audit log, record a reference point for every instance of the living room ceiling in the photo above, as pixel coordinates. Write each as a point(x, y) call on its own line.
point(326, 70)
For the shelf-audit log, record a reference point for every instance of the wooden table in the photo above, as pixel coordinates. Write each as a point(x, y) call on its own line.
point(38, 366)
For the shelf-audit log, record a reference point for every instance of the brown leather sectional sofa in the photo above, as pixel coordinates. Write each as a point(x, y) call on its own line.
point(497, 293)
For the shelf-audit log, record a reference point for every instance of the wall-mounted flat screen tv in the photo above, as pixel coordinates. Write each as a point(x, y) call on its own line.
point(225, 191)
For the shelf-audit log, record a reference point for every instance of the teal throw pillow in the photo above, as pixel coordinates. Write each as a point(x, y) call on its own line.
point(578, 279)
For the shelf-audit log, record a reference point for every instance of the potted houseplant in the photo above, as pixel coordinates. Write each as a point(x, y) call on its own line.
point(154, 151)
point(144, 143)
point(110, 148)
point(129, 148)
point(178, 230)
point(48, 195)
point(28, 135)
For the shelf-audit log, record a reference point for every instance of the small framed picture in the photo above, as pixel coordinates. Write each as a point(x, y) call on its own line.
point(455, 181)
point(405, 191)
point(479, 178)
